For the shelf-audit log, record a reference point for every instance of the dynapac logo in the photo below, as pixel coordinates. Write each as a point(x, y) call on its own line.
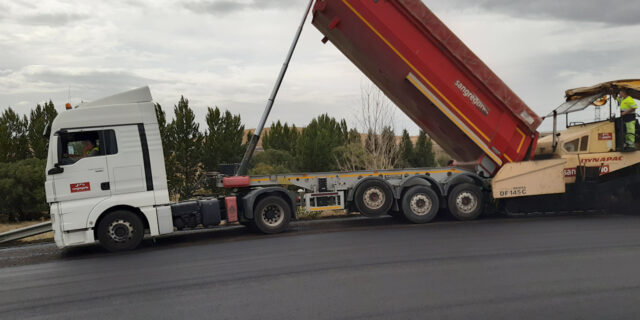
point(472, 97)
point(601, 160)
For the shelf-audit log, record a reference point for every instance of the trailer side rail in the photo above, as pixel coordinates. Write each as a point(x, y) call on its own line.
point(331, 181)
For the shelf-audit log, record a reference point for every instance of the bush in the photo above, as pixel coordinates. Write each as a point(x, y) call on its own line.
point(352, 157)
point(22, 195)
point(272, 161)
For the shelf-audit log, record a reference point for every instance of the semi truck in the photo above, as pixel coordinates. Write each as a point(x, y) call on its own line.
point(106, 178)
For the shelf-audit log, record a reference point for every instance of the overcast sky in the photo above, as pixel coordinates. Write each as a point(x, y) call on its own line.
point(227, 53)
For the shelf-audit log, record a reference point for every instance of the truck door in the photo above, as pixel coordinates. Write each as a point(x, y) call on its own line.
point(127, 167)
point(83, 180)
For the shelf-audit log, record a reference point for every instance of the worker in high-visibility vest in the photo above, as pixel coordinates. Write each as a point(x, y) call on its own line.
point(628, 108)
point(90, 149)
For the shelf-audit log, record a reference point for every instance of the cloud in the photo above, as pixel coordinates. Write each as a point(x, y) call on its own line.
point(228, 52)
point(616, 12)
point(215, 7)
point(40, 14)
point(5, 11)
point(269, 4)
point(224, 7)
point(53, 19)
point(92, 83)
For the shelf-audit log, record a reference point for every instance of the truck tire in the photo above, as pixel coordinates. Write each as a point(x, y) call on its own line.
point(271, 215)
point(120, 231)
point(466, 202)
point(420, 204)
point(373, 198)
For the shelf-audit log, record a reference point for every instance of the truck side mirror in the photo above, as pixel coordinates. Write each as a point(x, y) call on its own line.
point(55, 170)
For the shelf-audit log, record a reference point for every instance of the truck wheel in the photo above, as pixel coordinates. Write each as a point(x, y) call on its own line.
point(373, 198)
point(271, 215)
point(465, 202)
point(120, 231)
point(420, 204)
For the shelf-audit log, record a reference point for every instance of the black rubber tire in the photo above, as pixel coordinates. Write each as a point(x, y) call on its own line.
point(423, 196)
point(466, 202)
point(127, 230)
point(380, 188)
point(273, 205)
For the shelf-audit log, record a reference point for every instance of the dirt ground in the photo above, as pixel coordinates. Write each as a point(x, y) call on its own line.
point(4, 227)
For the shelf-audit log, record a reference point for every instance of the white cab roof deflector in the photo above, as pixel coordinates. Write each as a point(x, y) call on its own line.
point(139, 95)
point(131, 107)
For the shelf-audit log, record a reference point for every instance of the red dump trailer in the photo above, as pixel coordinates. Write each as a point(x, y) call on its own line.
point(434, 78)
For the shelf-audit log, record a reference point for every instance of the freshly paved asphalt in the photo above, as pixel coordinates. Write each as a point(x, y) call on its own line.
point(584, 267)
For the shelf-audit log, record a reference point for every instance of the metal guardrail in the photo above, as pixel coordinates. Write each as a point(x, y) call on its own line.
point(26, 232)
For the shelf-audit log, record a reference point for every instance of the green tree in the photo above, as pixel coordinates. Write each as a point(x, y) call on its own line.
point(39, 118)
point(162, 125)
point(14, 137)
point(223, 139)
point(184, 144)
point(423, 152)
point(354, 136)
point(22, 190)
point(405, 153)
point(280, 137)
point(247, 139)
point(314, 149)
point(162, 120)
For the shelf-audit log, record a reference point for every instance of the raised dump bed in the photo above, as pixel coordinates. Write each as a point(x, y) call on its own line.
point(434, 78)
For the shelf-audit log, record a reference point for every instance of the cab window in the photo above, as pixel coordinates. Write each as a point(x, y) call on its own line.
point(572, 146)
point(74, 146)
point(584, 143)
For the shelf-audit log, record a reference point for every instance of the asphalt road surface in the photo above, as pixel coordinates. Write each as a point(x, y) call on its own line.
point(584, 267)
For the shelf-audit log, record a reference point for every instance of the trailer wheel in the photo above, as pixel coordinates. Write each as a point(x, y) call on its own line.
point(373, 198)
point(271, 215)
point(466, 202)
point(420, 204)
point(120, 231)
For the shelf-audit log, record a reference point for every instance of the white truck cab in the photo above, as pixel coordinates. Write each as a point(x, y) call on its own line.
point(106, 180)
point(106, 156)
